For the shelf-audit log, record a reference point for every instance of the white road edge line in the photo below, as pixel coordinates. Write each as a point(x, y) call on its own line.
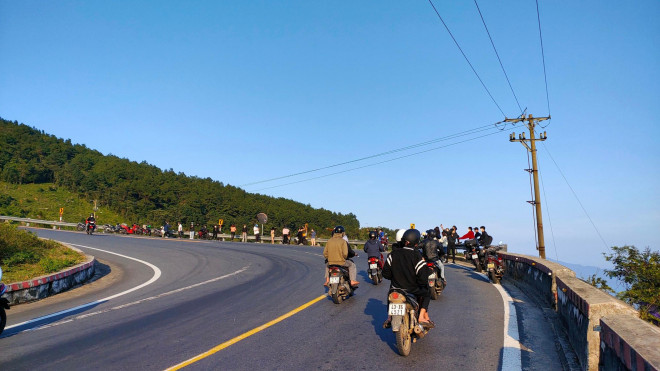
point(511, 350)
point(153, 279)
point(141, 300)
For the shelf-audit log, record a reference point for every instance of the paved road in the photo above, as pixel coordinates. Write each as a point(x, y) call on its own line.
point(210, 292)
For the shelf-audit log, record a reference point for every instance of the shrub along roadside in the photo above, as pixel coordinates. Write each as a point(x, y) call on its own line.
point(24, 256)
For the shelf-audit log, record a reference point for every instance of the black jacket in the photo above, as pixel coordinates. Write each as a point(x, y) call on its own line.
point(406, 268)
point(451, 239)
point(485, 239)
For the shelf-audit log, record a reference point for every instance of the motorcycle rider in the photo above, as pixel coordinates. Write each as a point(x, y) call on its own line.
point(89, 220)
point(338, 252)
point(407, 270)
point(432, 252)
point(374, 248)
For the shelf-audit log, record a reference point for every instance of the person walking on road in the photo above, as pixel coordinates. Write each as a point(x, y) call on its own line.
point(272, 235)
point(180, 229)
point(313, 237)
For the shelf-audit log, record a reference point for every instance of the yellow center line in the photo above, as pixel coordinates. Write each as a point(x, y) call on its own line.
point(244, 335)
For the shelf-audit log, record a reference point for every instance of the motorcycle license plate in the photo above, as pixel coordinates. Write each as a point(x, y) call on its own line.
point(397, 309)
point(475, 256)
point(373, 266)
point(432, 276)
point(491, 265)
point(334, 279)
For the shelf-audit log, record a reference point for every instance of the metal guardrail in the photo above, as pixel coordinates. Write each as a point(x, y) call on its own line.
point(264, 238)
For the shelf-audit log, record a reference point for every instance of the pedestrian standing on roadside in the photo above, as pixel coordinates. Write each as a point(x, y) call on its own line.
point(313, 236)
point(244, 233)
point(272, 235)
point(180, 229)
point(257, 238)
point(232, 230)
point(452, 237)
point(285, 235)
point(215, 232)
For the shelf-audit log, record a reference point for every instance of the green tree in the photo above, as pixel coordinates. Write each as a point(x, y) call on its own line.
point(640, 273)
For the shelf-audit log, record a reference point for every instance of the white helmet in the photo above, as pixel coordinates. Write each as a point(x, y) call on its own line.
point(399, 234)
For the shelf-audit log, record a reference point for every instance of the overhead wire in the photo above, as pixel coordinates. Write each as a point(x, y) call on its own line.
point(381, 162)
point(466, 58)
point(498, 56)
point(412, 146)
point(547, 211)
point(576, 196)
point(545, 75)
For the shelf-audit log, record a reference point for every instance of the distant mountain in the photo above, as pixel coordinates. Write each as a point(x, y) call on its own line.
point(142, 193)
point(585, 271)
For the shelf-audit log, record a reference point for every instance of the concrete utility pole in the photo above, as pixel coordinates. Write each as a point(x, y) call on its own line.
point(531, 147)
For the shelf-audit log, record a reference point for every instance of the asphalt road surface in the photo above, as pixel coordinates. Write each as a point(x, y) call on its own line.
point(182, 298)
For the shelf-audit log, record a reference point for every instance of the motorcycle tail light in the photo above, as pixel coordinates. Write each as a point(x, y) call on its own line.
point(429, 264)
point(395, 297)
point(499, 259)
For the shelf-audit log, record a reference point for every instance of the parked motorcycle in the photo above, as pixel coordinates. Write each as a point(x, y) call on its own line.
point(375, 272)
point(436, 285)
point(339, 284)
point(90, 227)
point(472, 253)
point(404, 309)
point(4, 304)
point(81, 226)
point(494, 264)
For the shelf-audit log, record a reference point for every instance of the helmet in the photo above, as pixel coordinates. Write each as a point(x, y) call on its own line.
point(430, 234)
point(372, 235)
point(399, 234)
point(411, 236)
point(339, 229)
point(91, 215)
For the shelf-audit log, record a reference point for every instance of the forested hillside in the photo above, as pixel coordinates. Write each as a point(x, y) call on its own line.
point(143, 193)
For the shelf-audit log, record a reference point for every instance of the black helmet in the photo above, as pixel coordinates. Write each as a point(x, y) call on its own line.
point(339, 229)
point(372, 235)
point(430, 234)
point(411, 236)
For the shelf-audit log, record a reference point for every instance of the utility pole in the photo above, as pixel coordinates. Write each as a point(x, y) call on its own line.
point(530, 144)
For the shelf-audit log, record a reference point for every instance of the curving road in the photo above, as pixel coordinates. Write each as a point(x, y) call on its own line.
point(201, 294)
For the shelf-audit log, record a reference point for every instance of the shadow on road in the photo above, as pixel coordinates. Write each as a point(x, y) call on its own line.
point(377, 309)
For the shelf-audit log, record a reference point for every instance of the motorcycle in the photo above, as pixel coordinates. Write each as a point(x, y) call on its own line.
point(436, 285)
point(375, 272)
point(4, 304)
point(81, 226)
point(339, 284)
point(90, 227)
point(472, 253)
point(494, 264)
point(404, 310)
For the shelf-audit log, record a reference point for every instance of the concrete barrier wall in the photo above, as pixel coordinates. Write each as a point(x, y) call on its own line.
point(44, 286)
point(582, 310)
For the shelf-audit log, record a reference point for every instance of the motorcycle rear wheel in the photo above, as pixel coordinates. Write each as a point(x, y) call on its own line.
point(336, 297)
point(494, 277)
point(403, 338)
point(434, 293)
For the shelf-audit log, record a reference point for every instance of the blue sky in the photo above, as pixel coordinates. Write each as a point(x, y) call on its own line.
point(246, 91)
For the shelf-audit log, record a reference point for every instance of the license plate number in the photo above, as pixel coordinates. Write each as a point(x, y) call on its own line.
point(432, 276)
point(475, 256)
point(373, 266)
point(397, 309)
point(491, 265)
point(334, 279)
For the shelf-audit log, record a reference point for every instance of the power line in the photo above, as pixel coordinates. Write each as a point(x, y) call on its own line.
point(380, 162)
point(428, 142)
point(466, 58)
point(547, 211)
point(545, 76)
point(576, 197)
point(498, 56)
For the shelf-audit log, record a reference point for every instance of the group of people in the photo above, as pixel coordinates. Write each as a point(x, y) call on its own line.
point(406, 266)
